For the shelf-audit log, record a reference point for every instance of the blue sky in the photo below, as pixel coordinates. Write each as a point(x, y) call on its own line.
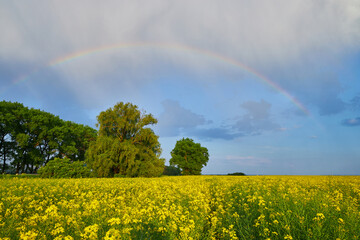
point(188, 64)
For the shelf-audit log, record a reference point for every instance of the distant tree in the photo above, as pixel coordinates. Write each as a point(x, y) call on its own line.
point(237, 174)
point(125, 146)
point(171, 171)
point(189, 156)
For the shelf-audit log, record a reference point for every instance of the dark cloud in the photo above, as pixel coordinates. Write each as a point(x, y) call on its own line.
point(321, 90)
point(259, 32)
point(355, 103)
point(214, 133)
point(309, 84)
point(351, 122)
point(176, 119)
point(257, 110)
point(324, 92)
point(331, 105)
point(257, 119)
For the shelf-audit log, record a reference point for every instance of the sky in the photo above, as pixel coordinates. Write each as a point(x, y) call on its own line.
point(268, 87)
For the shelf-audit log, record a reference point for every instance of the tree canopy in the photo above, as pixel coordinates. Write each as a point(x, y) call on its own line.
point(189, 156)
point(125, 145)
point(29, 138)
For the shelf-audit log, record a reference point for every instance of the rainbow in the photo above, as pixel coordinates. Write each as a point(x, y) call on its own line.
point(165, 46)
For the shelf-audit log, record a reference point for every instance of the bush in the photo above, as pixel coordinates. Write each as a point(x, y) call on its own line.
point(23, 175)
point(64, 168)
point(118, 175)
point(171, 171)
point(237, 174)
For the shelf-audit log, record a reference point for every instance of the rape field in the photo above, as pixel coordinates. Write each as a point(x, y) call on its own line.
point(194, 207)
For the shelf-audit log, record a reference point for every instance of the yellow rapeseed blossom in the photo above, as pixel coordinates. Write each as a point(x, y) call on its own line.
point(90, 232)
point(114, 221)
point(319, 216)
point(112, 234)
point(30, 235)
point(341, 221)
point(184, 207)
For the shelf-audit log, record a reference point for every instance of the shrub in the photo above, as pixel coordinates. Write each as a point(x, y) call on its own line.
point(118, 175)
point(64, 168)
point(171, 171)
point(237, 174)
point(23, 175)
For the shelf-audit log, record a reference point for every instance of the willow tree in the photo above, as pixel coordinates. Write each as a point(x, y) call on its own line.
point(125, 145)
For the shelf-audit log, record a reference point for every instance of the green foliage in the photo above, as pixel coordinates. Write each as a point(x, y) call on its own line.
point(23, 175)
point(29, 138)
point(124, 145)
point(171, 171)
point(119, 176)
point(7, 131)
point(64, 168)
point(189, 156)
point(237, 174)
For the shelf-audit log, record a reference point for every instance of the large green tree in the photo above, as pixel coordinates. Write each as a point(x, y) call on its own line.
point(7, 127)
point(189, 156)
point(125, 145)
point(29, 138)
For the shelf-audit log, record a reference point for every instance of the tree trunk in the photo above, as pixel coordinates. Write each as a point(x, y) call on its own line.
point(4, 153)
point(17, 168)
point(4, 162)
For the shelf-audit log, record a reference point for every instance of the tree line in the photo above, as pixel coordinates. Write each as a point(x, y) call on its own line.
point(30, 138)
point(124, 145)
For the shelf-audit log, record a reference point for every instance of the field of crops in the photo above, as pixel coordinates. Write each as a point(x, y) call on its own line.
point(194, 207)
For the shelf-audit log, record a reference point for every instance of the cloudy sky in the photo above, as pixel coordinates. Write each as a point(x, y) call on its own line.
point(269, 87)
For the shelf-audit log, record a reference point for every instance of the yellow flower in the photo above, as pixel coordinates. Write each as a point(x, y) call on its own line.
point(57, 229)
point(114, 221)
point(90, 232)
point(30, 235)
point(112, 234)
point(319, 216)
